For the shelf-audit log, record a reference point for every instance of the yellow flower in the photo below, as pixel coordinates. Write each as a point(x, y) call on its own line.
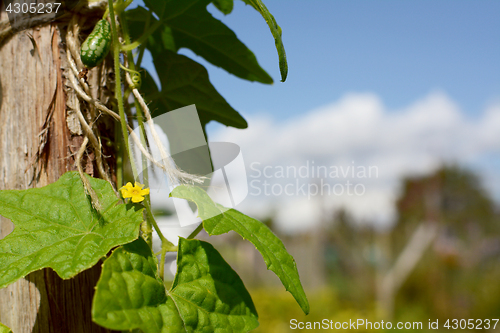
point(135, 192)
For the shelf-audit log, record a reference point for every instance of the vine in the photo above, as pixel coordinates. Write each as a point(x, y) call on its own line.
point(106, 216)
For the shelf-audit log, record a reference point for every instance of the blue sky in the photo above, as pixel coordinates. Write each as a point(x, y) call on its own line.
point(402, 85)
point(400, 50)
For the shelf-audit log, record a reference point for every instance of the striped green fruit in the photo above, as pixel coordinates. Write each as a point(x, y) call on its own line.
point(96, 47)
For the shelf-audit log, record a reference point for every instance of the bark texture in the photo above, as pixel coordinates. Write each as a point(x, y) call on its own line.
point(35, 150)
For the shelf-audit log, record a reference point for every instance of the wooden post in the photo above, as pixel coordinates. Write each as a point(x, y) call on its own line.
point(33, 121)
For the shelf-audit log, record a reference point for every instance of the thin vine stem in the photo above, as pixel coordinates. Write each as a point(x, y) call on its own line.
point(167, 246)
point(118, 85)
point(119, 158)
point(148, 230)
point(118, 7)
point(157, 228)
point(195, 231)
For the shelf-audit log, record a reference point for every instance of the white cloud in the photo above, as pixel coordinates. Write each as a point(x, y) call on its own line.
point(359, 131)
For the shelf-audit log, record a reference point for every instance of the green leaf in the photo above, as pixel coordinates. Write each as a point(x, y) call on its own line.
point(195, 28)
point(206, 296)
point(130, 295)
point(56, 227)
point(225, 6)
point(161, 39)
point(207, 290)
point(211, 39)
point(170, 9)
point(276, 31)
point(218, 220)
point(4, 329)
point(185, 82)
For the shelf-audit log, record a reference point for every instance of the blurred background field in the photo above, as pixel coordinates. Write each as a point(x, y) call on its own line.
point(440, 261)
point(411, 88)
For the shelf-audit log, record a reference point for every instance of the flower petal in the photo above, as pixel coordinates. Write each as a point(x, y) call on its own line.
point(137, 198)
point(125, 190)
point(144, 192)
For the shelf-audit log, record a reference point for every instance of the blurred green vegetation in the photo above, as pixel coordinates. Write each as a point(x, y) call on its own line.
point(276, 308)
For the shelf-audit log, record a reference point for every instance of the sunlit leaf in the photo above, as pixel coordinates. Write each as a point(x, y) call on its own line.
point(218, 220)
point(206, 296)
point(4, 329)
point(57, 227)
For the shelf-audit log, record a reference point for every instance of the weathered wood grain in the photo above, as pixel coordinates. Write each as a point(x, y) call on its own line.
point(32, 99)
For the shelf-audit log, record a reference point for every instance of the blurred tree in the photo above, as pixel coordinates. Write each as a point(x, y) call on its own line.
point(462, 202)
point(464, 257)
